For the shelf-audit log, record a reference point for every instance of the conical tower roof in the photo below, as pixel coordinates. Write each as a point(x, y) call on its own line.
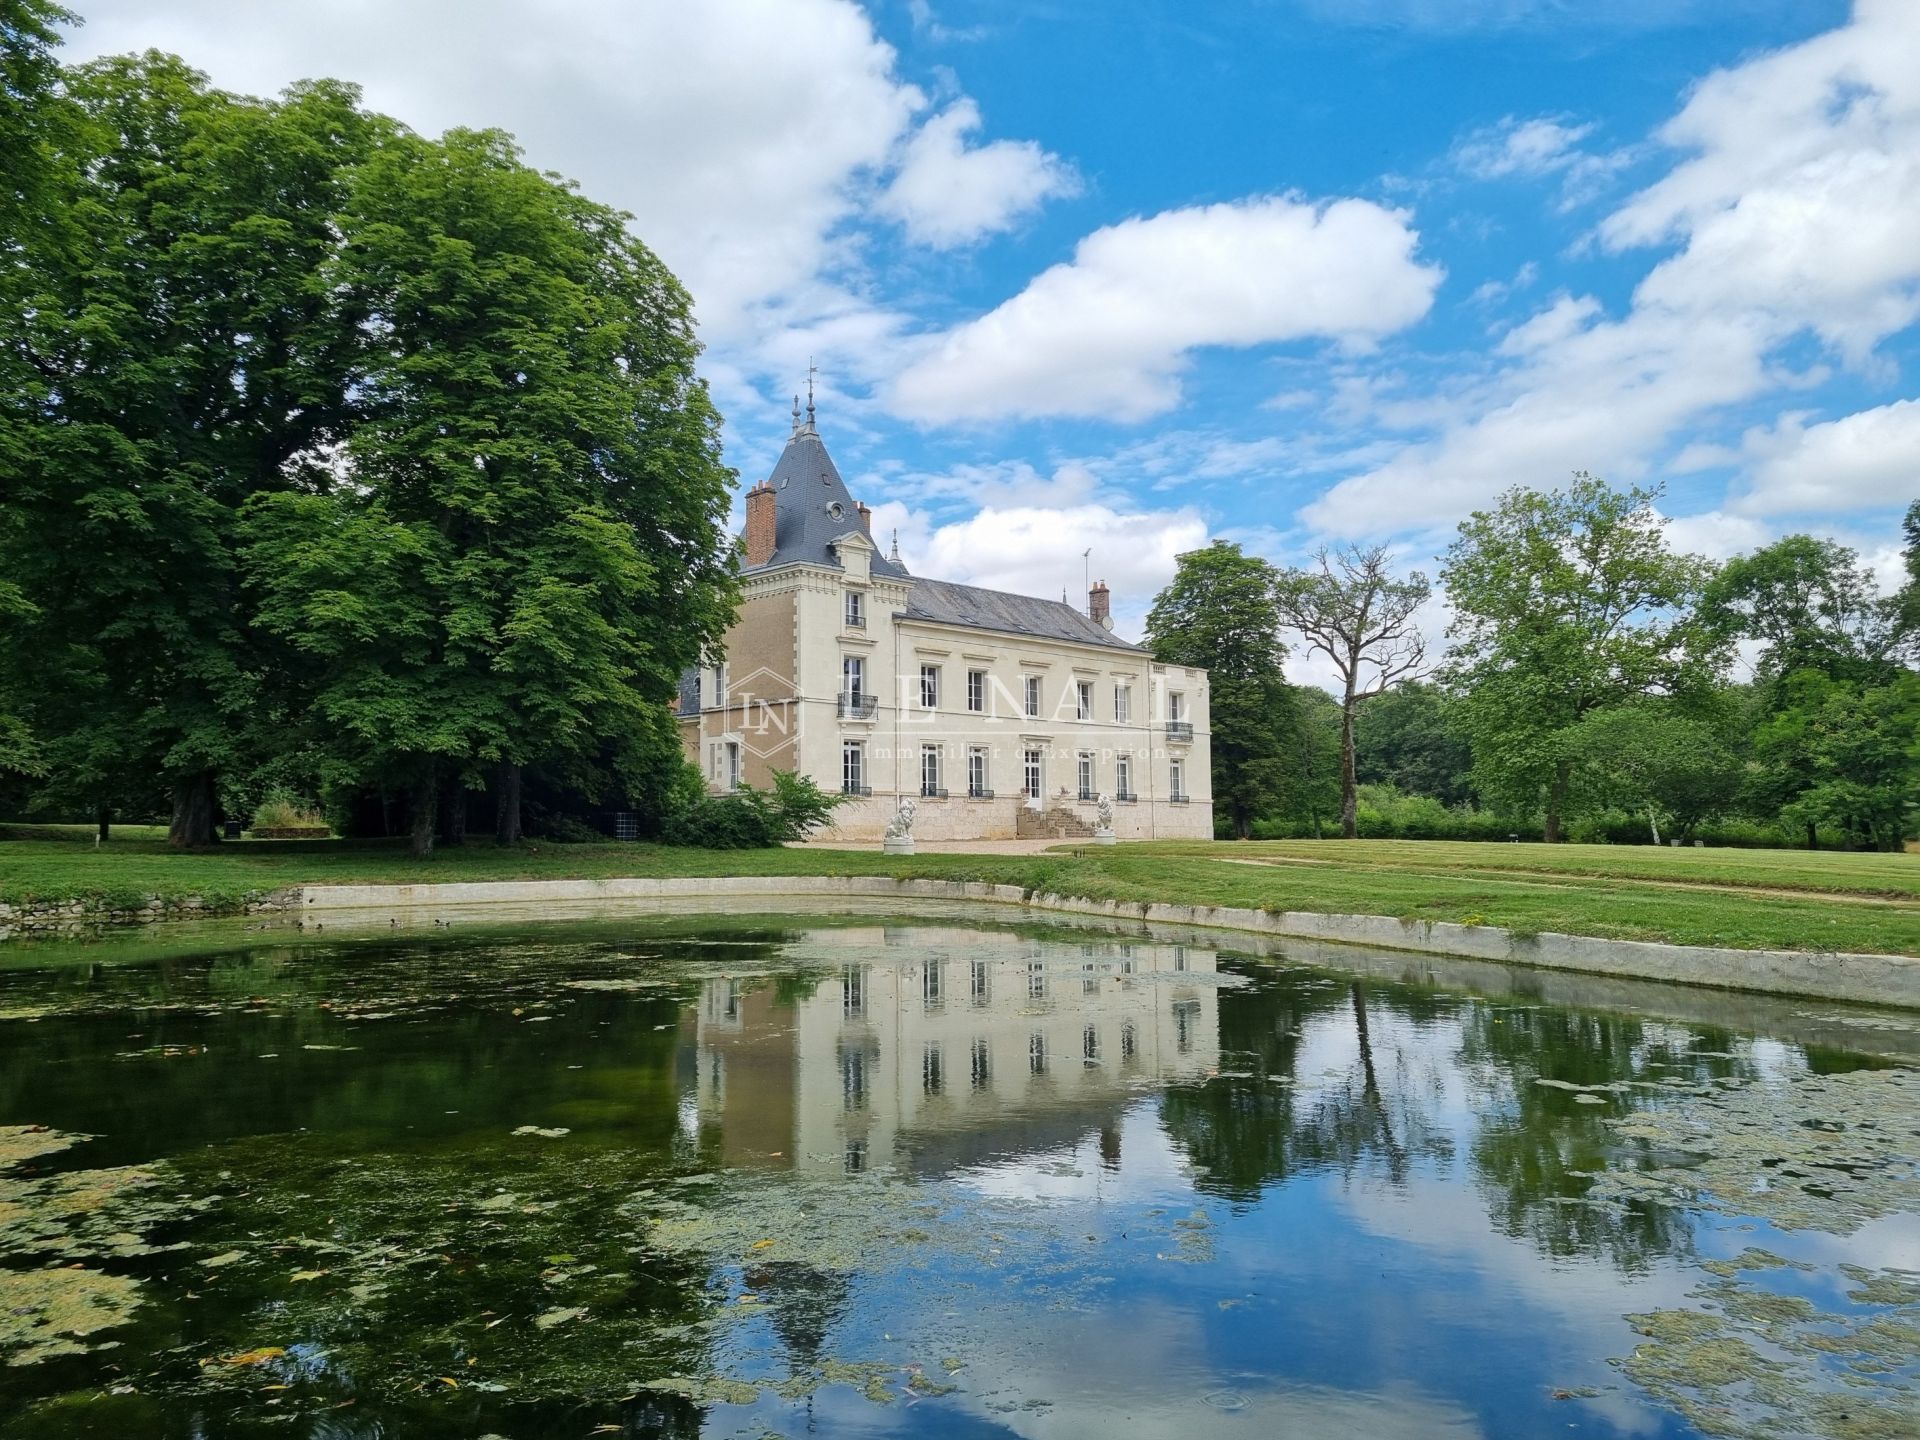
point(812, 506)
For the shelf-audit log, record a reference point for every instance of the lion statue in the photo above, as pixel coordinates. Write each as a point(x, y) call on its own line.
point(900, 827)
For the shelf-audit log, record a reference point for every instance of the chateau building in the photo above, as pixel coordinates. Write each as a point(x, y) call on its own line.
point(998, 715)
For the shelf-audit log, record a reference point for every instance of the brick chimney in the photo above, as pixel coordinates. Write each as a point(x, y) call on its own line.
point(866, 517)
point(1100, 604)
point(759, 524)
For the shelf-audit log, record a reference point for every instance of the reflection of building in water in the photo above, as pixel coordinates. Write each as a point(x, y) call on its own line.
point(931, 1047)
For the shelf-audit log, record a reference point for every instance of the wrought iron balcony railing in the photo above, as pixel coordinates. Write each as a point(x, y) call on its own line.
point(1179, 730)
point(859, 707)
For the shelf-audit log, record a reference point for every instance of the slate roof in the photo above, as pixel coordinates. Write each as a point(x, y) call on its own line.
point(806, 489)
point(969, 605)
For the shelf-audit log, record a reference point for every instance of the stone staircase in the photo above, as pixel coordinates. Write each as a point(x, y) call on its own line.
point(1056, 823)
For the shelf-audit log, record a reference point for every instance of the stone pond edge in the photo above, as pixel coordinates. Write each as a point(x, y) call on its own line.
point(1828, 975)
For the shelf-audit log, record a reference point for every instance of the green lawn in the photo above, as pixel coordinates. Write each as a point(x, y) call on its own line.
point(1752, 899)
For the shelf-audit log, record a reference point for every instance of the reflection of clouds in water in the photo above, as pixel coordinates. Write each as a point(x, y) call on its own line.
point(1152, 1170)
point(1153, 1372)
point(1586, 1299)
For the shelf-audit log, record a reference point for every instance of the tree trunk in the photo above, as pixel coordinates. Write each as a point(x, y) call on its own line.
point(426, 795)
point(103, 817)
point(1813, 836)
point(507, 827)
point(1349, 801)
point(1556, 800)
point(454, 804)
point(193, 807)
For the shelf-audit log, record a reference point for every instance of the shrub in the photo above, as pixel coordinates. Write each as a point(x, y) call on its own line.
point(281, 809)
point(748, 818)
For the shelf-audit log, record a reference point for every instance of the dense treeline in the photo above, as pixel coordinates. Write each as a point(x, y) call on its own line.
point(1597, 685)
point(338, 462)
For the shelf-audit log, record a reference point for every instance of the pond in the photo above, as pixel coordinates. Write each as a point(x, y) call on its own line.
point(938, 1174)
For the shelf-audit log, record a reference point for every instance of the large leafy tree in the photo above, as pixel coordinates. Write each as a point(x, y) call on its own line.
point(1349, 607)
point(528, 546)
point(30, 109)
point(1405, 738)
point(1567, 602)
point(1809, 604)
point(1827, 641)
point(1853, 751)
point(1652, 757)
point(180, 352)
point(1219, 613)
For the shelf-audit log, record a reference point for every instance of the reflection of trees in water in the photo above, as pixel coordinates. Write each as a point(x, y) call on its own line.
point(1537, 1145)
point(1244, 1131)
point(806, 1303)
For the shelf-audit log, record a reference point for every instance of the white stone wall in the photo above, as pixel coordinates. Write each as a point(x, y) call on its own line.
point(893, 651)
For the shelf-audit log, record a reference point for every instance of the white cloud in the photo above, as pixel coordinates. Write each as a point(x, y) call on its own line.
point(1035, 550)
point(745, 136)
point(1868, 459)
point(948, 193)
point(1796, 211)
point(1535, 147)
point(1109, 332)
point(1559, 322)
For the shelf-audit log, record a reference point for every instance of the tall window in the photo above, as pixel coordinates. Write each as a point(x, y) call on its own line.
point(1122, 704)
point(853, 992)
point(979, 983)
point(856, 610)
point(1030, 774)
point(853, 676)
point(929, 687)
point(1123, 776)
point(853, 767)
point(1176, 705)
point(929, 770)
point(1177, 778)
point(1037, 1053)
point(1129, 1041)
point(1083, 700)
point(1090, 1045)
point(982, 1065)
point(932, 984)
point(977, 691)
point(1084, 772)
point(977, 770)
point(933, 1070)
point(1033, 697)
point(733, 765)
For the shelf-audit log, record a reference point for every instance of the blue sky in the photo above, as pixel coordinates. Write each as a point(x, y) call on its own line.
point(1131, 274)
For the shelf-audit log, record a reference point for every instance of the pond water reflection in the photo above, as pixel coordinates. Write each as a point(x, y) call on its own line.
point(699, 1175)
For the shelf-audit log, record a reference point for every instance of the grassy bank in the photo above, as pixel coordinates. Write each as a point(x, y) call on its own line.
point(1749, 899)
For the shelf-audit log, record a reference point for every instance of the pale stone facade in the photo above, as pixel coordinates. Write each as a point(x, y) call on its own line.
point(977, 704)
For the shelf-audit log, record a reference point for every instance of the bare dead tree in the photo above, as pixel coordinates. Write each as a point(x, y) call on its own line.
point(1350, 608)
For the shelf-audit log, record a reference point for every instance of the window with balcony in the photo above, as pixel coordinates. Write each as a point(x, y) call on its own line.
point(1083, 772)
point(977, 691)
point(977, 773)
point(930, 772)
point(1123, 777)
point(853, 768)
point(856, 610)
point(1177, 781)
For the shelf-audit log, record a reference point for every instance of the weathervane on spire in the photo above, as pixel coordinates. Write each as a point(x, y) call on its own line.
point(811, 372)
point(894, 553)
